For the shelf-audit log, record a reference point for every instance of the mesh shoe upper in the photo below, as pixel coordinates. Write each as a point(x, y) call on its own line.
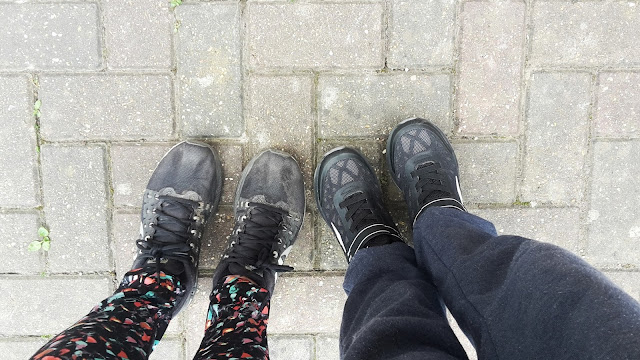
point(182, 193)
point(350, 200)
point(424, 166)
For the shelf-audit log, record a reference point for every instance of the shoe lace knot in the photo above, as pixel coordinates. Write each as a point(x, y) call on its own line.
point(174, 225)
point(257, 242)
point(431, 181)
point(359, 211)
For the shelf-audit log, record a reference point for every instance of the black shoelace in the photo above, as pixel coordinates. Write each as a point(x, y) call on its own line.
point(431, 181)
point(257, 240)
point(359, 211)
point(172, 232)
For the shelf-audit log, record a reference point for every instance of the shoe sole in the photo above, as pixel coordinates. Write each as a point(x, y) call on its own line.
point(403, 124)
point(214, 206)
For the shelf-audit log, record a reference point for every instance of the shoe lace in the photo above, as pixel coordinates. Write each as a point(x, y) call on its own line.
point(431, 181)
point(257, 238)
point(359, 211)
point(172, 231)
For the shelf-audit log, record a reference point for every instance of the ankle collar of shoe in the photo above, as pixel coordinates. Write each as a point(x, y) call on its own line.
point(369, 233)
point(442, 202)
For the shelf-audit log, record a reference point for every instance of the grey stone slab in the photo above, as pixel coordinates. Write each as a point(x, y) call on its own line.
point(585, 33)
point(50, 36)
point(618, 110)
point(490, 67)
point(291, 347)
point(168, 349)
point(559, 226)
point(216, 237)
point(371, 105)
point(132, 166)
point(487, 171)
point(627, 281)
point(195, 316)
point(307, 304)
point(315, 35)
point(54, 303)
point(614, 229)
point(421, 33)
point(21, 348)
point(138, 33)
point(122, 107)
point(17, 143)
point(209, 69)
point(231, 157)
point(76, 207)
point(281, 119)
point(18, 230)
point(327, 348)
point(330, 253)
point(556, 137)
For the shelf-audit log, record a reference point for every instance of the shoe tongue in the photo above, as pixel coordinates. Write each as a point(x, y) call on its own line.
point(262, 224)
point(168, 221)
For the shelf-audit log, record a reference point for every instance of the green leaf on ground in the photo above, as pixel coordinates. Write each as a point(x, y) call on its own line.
point(46, 245)
point(35, 245)
point(42, 232)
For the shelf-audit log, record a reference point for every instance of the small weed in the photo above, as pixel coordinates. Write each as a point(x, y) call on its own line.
point(175, 3)
point(44, 243)
point(36, 108)
point(522, 203)
point(176, 26)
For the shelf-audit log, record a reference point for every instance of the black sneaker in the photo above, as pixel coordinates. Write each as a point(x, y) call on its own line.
point(349, 198)
point(424, 166)
point(269, 209)
point(183, 192)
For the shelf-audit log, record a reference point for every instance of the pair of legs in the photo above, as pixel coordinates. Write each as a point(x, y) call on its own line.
point(181, 195)
point(515, 298)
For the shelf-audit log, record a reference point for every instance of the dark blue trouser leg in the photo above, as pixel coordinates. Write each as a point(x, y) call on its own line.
point(523, 299)
point(393, 311)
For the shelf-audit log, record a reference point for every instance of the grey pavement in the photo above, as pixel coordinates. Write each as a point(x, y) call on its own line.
point(541, 100)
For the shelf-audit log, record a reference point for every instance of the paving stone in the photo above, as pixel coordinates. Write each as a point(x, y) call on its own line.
point(330, 253)
point(490, 67)
point(627, 281)
point(351, 105)
point(138, 33)
point(315, 35)
point(18, 231)
point(585, 33)
point(216, 237)
point(53, 303)
point(17, 143)
point(76, 207)
point(307, 304)
point(291, 347)
point(558, 115)
point(209, 70)
point(618, 111)
point(614, 229)
point(421, 33)
point(49, 36)
point(122, 107)
point(132, 166)
point(559, 226)
point(282, 119)
point(168, 349)
point(487, 171)
point(327, 348)
point(231, 157)
point(195, 316)
point(21, 348)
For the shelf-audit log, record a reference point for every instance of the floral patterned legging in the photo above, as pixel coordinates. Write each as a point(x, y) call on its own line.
point(130, 323)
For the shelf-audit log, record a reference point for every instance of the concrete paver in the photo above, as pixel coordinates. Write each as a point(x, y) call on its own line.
point(50, 36)
point(19, 230)
point(618, 111)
